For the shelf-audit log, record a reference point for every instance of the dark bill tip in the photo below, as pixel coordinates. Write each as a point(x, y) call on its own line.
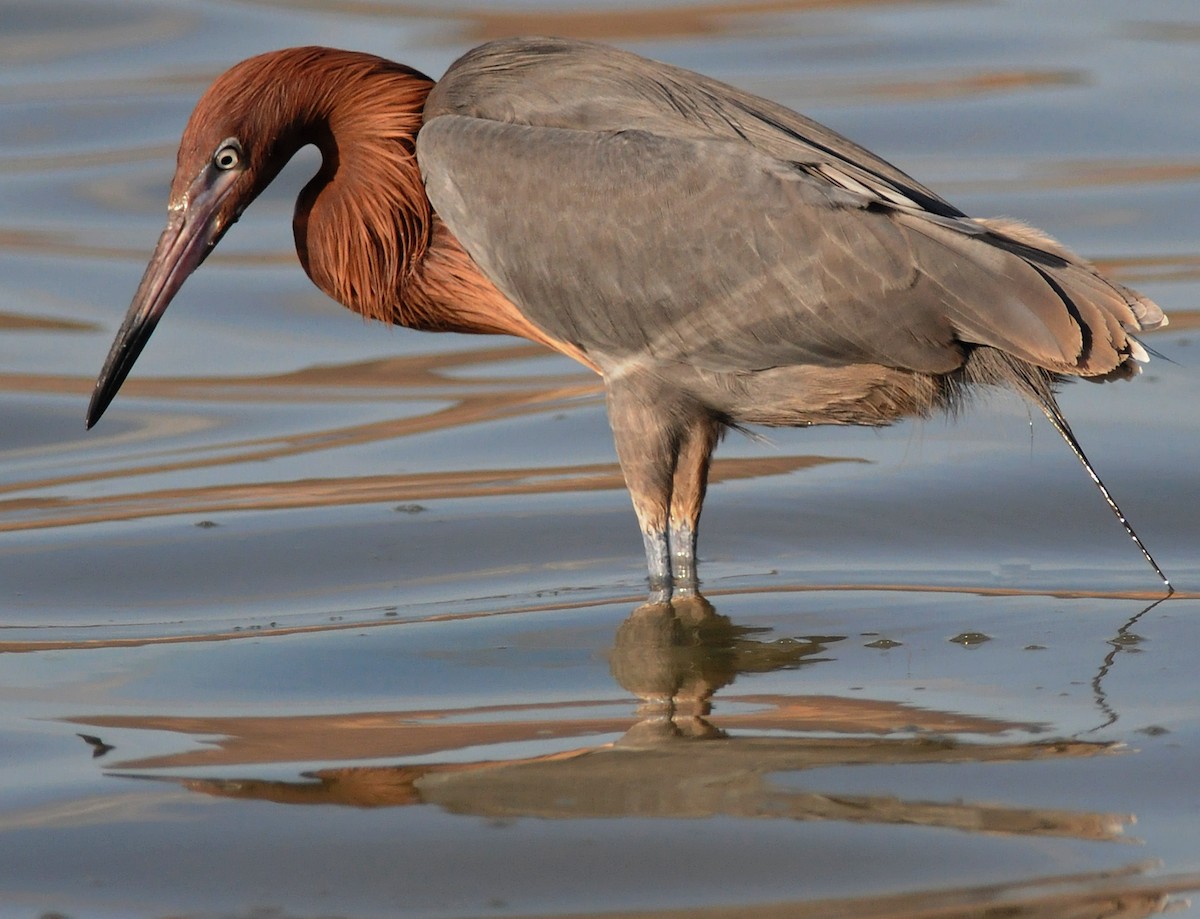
point(191, 232)
point(131, 339)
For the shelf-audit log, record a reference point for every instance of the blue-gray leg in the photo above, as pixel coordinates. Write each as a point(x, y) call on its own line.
point(658, 564)
point(664, 445)
point(684, 576)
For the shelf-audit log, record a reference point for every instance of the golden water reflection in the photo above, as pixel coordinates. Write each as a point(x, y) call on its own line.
point(1122, 893)
point(38, 502)
point(672, 756)
point(477, 22)
point(690, 749)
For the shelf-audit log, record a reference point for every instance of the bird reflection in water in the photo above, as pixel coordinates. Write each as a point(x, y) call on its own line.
point(673, 656)
point(679, 759)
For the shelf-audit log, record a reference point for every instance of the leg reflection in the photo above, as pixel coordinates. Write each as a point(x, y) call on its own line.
point(675, 654)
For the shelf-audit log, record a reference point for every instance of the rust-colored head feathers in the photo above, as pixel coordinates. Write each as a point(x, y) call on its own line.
point(365, 230)
point(364, 218)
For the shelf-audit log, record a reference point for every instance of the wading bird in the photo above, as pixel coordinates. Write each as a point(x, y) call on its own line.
point(719, 259)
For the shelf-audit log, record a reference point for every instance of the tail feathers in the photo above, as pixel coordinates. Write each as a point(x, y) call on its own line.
point(1007, 286)
point(1039, 311)
point(1148, 313)
point(1107, 313)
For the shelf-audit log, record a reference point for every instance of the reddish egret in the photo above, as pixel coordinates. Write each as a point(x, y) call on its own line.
point(719, 259)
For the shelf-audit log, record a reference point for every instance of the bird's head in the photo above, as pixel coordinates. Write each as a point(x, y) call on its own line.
point(222, 166)
point(244, 129)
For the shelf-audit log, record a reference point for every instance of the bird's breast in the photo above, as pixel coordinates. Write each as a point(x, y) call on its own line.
point(447, 292)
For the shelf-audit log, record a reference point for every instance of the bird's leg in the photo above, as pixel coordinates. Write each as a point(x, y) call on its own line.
point(687, 497)
point(664, 443)
point(647, 444)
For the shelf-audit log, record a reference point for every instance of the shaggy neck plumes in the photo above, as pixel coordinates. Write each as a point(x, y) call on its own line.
point(365, 231)
point(363, 221)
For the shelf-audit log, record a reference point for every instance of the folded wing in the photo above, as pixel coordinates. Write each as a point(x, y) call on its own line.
point(645, 213)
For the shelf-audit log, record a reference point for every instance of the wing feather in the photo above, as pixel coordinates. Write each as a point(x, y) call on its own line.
point(578, 85)
point(645, 213)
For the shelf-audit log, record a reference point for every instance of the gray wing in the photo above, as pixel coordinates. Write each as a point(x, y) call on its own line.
point(564, 83)
point(633, 246)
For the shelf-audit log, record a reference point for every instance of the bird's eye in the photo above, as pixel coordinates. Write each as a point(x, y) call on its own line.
point(228, 155)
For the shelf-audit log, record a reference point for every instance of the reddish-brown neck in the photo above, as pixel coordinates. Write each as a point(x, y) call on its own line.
point(365, 232)
point(363, 221)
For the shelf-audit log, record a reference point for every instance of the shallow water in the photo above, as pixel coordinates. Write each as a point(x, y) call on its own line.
point(394, 577)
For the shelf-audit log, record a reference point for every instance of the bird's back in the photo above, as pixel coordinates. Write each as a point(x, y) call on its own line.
point(656, 217)
point(578, 85)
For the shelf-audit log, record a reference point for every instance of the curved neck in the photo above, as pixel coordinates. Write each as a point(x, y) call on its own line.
point(365, 231)
point(363, 220)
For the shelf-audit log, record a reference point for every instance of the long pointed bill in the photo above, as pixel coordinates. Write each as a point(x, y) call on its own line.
point(192, 231)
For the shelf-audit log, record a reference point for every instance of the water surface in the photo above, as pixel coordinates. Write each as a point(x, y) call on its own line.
point(327, 619)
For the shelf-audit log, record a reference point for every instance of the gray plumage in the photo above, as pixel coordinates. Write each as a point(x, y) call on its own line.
point(681, 220)
point(722, 259)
